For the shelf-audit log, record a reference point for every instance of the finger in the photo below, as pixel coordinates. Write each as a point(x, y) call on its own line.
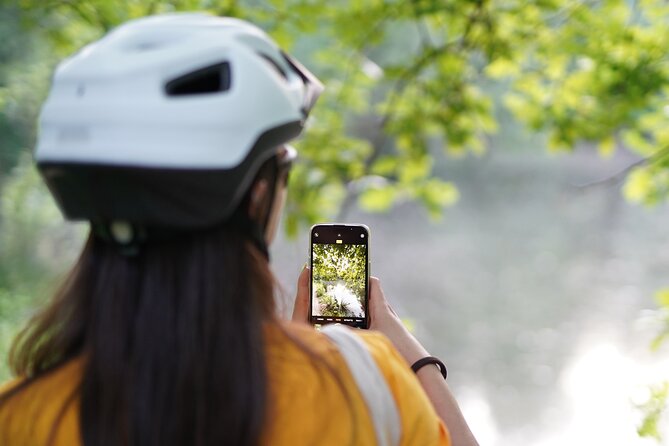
point(377, 299)
point(378, 305)
point(376, 296)
point(301, 308)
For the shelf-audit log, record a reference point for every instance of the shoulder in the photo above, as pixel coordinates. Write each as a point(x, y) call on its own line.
point(61, 378)
point(420, 423)
point(289, 339)
point(313, 396)
point(48, 401)
point(8, 386)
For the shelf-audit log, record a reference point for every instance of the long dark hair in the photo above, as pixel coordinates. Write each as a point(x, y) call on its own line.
point(171, 340)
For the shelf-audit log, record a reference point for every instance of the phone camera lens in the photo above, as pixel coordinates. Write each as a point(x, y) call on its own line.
point(338, 235)
point(362, 235)
point(316, 234)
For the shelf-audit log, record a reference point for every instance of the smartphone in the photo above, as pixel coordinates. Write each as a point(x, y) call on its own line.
point(339, 260)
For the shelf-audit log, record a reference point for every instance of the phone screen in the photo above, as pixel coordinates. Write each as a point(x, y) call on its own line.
point(339, 274)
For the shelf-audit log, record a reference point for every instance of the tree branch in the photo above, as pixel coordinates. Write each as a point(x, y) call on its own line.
point(359, 48)
point(427, 57)
point(622, 174)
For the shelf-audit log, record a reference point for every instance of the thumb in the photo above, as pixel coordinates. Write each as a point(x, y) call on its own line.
point(301, 308)
point(379, 308)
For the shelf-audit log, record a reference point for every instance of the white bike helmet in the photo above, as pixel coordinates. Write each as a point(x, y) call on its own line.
point(165, 121)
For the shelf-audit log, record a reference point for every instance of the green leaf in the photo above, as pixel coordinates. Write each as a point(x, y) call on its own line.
point(607, 147)
point(638, 185)
point(378, 199)
point(662, 297)
point(653, 410)
point(502, 67)
point(441, 193)
point(658, 341)
point(385, 165)
point(415, 169)
point(436, 195)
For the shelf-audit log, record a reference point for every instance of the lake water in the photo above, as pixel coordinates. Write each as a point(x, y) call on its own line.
point(535, 292)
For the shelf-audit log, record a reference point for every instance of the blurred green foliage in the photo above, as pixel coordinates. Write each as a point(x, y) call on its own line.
point(34, 246)
point(654, 408)
point(405, 79)
point(406, 82)
point(662, 298)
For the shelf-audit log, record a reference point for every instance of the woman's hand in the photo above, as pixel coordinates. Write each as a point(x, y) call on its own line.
point(301, 308)
point(382, 317)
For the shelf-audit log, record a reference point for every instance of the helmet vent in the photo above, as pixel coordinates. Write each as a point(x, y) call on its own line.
point(274, 65)
point(212, 79)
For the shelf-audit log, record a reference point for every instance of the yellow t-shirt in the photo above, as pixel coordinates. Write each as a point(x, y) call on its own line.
point(308, 404)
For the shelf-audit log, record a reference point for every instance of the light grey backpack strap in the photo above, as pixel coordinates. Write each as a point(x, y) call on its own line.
point(371, 383)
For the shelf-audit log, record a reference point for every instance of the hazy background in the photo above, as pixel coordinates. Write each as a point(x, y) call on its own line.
point(534, 291)
point(538, 293)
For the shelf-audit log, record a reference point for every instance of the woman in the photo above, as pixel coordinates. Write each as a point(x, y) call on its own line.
point(169, 135)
